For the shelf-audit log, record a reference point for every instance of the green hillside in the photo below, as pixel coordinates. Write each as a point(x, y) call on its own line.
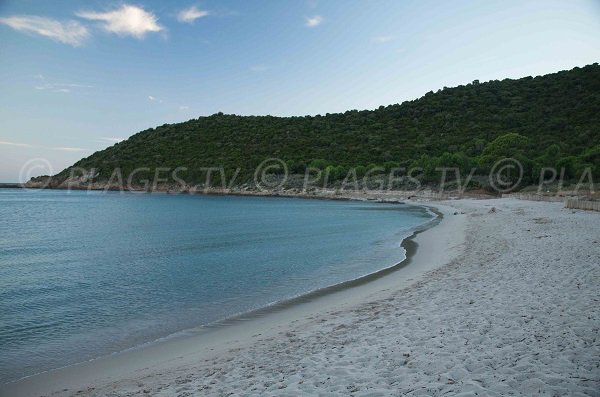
point(551, 120)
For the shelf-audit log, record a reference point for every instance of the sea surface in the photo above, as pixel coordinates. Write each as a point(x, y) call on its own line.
point(85, 274)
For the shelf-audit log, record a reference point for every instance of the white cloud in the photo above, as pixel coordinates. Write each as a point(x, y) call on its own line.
point(183, 107)
point(15, 144)
point(189, 15)
point(58, 87)
point(111, 140)
point(68, 32)
point(127, 20)
point(27, 145)
point(68, 149)
point(314, 21)
point(73, 85)
point(383, 39)
point(154, 99)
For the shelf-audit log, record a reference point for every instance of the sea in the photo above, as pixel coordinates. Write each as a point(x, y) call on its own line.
point(84, 274)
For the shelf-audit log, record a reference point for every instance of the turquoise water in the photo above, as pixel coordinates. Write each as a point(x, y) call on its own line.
point(84, 274)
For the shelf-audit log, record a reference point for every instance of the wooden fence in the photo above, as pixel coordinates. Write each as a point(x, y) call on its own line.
point(576, 203)
point(535, 197)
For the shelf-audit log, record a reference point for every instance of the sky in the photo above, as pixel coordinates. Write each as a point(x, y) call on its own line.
point(78, 76)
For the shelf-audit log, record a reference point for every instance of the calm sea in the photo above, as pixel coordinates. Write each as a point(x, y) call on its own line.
point(84, 274)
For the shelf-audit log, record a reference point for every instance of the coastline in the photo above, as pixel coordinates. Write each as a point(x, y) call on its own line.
point(383, 196)
point(206, 340)
point(500, 298)
point(408, 244)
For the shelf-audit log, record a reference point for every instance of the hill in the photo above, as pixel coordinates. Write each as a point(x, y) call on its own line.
point(544, 121)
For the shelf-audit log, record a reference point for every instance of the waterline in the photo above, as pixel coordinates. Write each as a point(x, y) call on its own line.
point(172, 264)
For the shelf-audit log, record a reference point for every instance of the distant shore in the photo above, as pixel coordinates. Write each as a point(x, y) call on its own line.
point(392, 196)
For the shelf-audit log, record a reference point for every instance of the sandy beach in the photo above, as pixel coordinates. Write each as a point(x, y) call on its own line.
point(501, 298)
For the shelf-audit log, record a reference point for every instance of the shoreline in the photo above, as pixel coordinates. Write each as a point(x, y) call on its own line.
point(382, 196)
point(408, 244)
point(269, 317)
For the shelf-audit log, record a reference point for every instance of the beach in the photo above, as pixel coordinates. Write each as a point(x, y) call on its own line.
point(500, 298)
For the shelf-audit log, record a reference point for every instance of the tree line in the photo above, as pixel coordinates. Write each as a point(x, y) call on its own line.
point(543, 121)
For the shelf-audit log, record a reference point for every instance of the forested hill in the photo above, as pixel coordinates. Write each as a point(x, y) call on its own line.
point(550, 120)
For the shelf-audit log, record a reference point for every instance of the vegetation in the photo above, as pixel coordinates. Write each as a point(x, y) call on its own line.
point(547, 121)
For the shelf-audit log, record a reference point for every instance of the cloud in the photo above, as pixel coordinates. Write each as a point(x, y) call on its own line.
point(183, 107)
point(189, 15)
point(383, 39)
point(27, 145)
point(15, 144)
point(58, 87)
point(111, 140)
point(154, 99)
point(68, 32)
point(314, 21)
point(68, 149)
point(75, 85)
point(127, 20)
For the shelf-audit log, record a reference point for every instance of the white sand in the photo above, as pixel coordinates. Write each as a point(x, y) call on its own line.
point(514, 312)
